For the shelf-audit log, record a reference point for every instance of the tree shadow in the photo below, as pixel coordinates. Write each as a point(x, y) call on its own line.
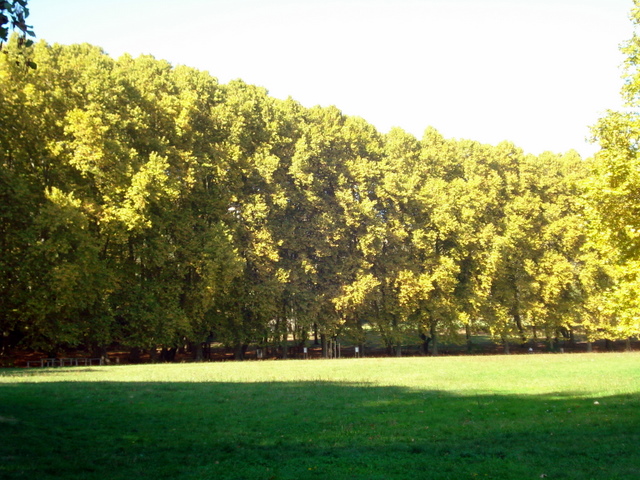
point(299, 430)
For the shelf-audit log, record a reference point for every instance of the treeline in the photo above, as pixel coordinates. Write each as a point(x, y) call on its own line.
point(149, 206)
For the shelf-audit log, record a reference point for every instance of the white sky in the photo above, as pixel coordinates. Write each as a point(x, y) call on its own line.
point(535, 72)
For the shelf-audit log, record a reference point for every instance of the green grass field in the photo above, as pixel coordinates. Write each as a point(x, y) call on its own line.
point(508, 417)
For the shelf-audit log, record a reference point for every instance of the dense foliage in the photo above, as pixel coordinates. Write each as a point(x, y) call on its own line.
point(150, 206)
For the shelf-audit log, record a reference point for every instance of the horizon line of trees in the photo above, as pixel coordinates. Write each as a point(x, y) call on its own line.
point(150, 206)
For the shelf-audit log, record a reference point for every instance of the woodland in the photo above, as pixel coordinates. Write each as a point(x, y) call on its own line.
point(148, 206)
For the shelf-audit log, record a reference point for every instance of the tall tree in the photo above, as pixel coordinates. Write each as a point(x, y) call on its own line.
point(613, 196)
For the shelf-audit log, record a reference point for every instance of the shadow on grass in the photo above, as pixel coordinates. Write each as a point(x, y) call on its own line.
point(99, 430)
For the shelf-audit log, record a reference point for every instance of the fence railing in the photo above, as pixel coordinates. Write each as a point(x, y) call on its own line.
point(65, 362)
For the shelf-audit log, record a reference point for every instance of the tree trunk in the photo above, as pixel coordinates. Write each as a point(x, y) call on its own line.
point(323, 342)
point(134, 355)
point(199, 351)
point(99, 351)
point(170, 354)
point(507, 349)
point(467, 332)
point(589, 346)
point(518, 319)
point(153, 355)
point(550, 343)
point(389, 348)
point(434, 339)
point(608, 344)
point(398, 350)
point(239, 351)
point(425, 343)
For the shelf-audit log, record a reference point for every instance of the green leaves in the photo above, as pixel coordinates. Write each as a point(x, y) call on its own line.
point(151, 206)
point(612, 207)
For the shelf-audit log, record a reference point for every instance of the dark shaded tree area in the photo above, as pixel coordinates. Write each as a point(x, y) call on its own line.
point(149, 206)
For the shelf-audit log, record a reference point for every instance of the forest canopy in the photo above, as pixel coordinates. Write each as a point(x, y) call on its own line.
point(149, 206)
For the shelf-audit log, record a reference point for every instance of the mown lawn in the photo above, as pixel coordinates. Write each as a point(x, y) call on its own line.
point(518, 417)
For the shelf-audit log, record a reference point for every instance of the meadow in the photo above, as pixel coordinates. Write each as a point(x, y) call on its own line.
point(491, 417)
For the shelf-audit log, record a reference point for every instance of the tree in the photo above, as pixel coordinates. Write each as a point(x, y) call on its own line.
point(147, 205)
point(616, 182)
point(613, 193)
point(334, 207)
point(60, 271)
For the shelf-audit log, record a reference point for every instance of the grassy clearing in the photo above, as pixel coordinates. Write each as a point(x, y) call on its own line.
point(559, 416)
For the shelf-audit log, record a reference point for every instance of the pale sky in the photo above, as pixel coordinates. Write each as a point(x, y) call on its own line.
point(534, 72)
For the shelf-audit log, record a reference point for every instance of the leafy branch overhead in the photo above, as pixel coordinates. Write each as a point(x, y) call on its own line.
point(13, 16)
